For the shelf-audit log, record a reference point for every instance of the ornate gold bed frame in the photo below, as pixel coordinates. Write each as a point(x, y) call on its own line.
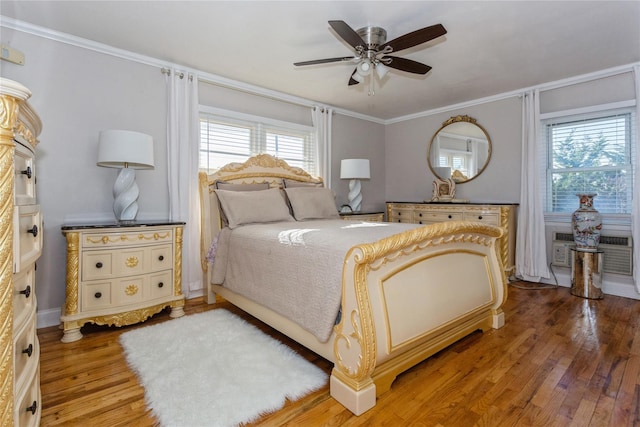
point(404, 298)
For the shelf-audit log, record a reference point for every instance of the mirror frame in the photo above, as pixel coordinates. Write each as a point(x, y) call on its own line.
point(458, 119)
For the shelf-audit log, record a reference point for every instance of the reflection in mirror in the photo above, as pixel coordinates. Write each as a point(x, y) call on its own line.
point(459, 150)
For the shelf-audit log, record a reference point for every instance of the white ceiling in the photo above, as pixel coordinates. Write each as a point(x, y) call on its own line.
point(491, 47)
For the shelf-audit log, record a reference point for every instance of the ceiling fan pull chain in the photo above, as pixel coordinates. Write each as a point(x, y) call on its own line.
point(372, 89)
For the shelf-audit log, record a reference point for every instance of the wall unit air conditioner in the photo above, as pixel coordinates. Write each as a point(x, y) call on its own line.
point(618, 252)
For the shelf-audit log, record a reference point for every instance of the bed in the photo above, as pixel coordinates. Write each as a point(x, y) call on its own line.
point(402, 296)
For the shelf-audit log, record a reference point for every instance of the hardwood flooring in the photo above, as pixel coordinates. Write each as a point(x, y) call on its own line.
point(560, 360)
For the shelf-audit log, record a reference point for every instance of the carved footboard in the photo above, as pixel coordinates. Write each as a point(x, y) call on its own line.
point(407, 297)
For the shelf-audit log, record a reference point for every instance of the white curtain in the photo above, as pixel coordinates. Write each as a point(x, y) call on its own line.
point(321, 117)
point(182, 164)
point(531, 253)
point(635, 215)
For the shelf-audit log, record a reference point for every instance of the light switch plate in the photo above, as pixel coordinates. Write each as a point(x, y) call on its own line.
point(12, 55)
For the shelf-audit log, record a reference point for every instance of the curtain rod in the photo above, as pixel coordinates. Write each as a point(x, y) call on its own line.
point(167, 71)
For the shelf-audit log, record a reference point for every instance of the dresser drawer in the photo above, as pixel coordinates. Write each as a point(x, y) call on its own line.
point(130, 290)
point(96, 295)
point(28, 405)
point(161, 284)
point(26, 351)
point(428, 217)
point(27, 236)
point(24, 295)
point(126, 261)
point(401, 215)
point(132, 238)
point(25, 176)
point(489, 218)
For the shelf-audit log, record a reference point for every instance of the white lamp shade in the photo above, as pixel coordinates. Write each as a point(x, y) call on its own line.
point(117, 148)
point(381, 70)
point(355, 169)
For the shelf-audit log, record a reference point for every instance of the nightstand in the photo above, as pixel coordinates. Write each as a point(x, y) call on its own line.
point(363, 216)
point(121, 273)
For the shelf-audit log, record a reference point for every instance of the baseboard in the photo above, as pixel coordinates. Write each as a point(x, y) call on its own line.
point(49, 317)
point(612, 284)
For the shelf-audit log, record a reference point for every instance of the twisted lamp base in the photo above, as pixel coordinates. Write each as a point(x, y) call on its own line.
point(125, 193)
point(355, 195)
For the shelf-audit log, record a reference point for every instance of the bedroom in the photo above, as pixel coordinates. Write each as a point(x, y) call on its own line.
point(102, 88)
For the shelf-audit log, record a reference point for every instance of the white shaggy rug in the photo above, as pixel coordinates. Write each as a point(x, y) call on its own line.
point(215, 369)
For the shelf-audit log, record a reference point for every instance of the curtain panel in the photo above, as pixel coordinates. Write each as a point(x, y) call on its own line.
point(635, 210)
point(531, 253)
point(182, 163)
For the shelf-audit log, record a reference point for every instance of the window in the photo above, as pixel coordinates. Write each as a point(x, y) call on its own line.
point(225, 139)
point(590, 153)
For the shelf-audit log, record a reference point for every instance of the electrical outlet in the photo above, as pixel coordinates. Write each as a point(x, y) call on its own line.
point(12, 55)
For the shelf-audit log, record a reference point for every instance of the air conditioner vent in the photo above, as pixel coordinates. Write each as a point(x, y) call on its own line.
point(618, 252)
point(563, 237)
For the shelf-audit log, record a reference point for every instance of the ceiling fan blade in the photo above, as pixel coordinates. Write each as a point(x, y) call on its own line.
point(404, 64)
point(415, 38)
point(353, 81)
point(324, 61)
point(347, 33)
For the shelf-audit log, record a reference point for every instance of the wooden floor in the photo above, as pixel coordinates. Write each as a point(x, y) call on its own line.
point(560, 360)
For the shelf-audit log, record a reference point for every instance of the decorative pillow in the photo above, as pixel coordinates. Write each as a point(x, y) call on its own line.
point(229, 186)
point(312, 203)
point(248, 207)
point(292, 183)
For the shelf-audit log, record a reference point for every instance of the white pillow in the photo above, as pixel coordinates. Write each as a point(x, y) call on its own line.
point(312, 203)
point(248, 207)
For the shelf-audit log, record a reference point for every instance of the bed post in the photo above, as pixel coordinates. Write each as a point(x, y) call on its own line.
point(351, 381)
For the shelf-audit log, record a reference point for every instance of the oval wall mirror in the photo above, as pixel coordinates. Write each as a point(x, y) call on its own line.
point(459, 150)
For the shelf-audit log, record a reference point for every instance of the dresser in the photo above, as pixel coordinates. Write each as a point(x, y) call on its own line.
point(21, 237)
point(501, 215)
point(121, 273)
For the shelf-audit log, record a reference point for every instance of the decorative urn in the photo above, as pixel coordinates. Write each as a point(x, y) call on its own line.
point(586, 223)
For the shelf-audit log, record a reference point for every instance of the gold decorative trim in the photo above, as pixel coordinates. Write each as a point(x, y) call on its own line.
point(73, 281)
point(459, 118)
point(131, 290)
point(113, 238)
point(132, 261)
point(177, 267)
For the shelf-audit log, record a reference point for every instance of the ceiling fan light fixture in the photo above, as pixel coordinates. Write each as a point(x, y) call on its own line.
point(364, 67)
point(357, 77)
point(381, 70)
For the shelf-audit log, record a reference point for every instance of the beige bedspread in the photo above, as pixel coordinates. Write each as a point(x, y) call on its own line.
point(294, 268)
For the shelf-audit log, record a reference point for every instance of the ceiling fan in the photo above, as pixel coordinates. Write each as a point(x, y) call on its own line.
point(371, 51)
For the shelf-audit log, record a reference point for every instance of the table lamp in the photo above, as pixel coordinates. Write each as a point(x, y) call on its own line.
point(355, 170)
point(127, 150)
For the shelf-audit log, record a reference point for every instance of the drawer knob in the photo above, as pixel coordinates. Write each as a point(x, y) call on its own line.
point(27, 291)
point(33, 230)
point(33, 408)
point(449, 216)
point(419, 222)
point(420, 214)
point(479, 216)
point(160, 284)
point(28, 351)
point(399, 213)
point(161, 258)
point(98, 294)
point(27, 172)
point(98, 265)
